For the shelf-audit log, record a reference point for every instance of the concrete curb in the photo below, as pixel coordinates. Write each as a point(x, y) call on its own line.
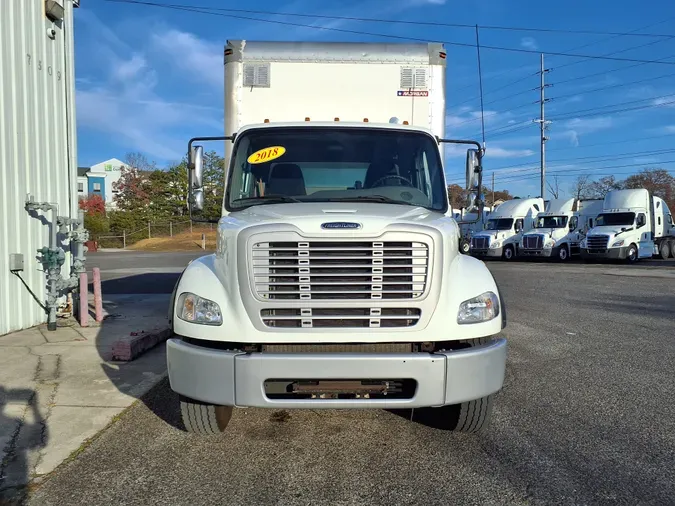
point(131, 347)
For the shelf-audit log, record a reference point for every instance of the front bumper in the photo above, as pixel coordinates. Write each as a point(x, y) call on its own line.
point(544, 252)
point(609, 253)
point(493, 252)
point(234, 378)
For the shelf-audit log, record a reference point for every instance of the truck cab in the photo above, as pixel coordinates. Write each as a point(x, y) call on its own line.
point(337, 282)
point(633, 225)
point(504, 228)
point(558, 231)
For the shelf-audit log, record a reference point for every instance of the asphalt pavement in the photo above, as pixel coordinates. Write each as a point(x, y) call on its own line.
point(585, 417)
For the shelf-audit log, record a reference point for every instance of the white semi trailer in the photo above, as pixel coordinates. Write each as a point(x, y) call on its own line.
point(504, 228)
point(558, 231)
point(633, 225)
point(337, 280)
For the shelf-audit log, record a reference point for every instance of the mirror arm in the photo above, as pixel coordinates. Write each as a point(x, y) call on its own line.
point(190, 168)
point(479, 169)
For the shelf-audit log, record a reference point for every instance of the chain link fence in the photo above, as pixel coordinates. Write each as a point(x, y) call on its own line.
point(152, 230)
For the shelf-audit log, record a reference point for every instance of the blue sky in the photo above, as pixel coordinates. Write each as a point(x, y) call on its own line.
point(148, 78)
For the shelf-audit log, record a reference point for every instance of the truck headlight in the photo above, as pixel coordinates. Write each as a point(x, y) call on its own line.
point(495, 245)
point(550, 244)
point(618, 243)
point(195, 309)
point(483, 308)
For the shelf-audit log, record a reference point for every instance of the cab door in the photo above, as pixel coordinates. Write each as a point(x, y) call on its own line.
point(646, 243)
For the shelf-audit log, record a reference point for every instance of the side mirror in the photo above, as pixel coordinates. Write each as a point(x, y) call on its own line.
point(472, 168)
point(195, 178)
point(197, 166)
point(471, 202)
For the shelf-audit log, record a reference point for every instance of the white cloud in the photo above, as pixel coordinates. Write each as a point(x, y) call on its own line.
point(573, 136)
point(124, 102)
point(588, 125)
point(668, 101)
point(499, 152)
point(201, 60)
point(529, 43)
point(670, 129)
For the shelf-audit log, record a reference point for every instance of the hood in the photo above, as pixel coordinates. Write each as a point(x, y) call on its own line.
point(610, 230)
point(547, 232)
point(371, 218)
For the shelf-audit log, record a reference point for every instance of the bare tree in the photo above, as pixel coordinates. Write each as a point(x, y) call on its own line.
point(581, 189)
point(554, 188)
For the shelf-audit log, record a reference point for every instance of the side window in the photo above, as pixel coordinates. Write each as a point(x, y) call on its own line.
point(519, 225)
point(659, 220)
point(590, 222)
point(574, 222)
point(641, 220)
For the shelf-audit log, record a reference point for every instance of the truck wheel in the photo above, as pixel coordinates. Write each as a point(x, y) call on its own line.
point(632, 254)
point(509, 253)
point(672, 249)
point(665, 250)
point(472, 416)
point(563, 253)
point(464, 246)
point(204, 419)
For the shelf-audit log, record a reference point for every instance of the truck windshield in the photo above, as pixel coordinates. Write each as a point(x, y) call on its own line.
point(613, 219)
point(333, 164)
point(552, 222)
point(499, 224)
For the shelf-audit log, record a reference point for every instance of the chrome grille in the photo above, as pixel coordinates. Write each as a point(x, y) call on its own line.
point(533, 241)
point(597, 241)
point(340, 317)
point(480, 242)
point(340, 270)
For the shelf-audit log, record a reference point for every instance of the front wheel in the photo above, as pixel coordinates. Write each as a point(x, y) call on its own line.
point(563, 253)
point(509, 253)
point(471, 416)
point(632, 254)
point(202, 418)
point(464, 246)
point(664, 250)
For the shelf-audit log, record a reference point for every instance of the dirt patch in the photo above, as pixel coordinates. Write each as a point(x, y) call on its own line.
point(185, 241)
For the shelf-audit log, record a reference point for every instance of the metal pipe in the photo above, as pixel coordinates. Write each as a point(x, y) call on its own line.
point(98, 301)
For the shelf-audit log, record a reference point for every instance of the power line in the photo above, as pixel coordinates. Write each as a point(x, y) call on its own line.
point(622, 141)
point(406, 22)
point(650, 79)
point(384, 35)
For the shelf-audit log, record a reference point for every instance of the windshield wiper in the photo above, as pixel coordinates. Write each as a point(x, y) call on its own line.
point(271, 199)
point(370, 198)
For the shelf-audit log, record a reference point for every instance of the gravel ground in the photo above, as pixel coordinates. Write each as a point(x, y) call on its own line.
point(585, 417)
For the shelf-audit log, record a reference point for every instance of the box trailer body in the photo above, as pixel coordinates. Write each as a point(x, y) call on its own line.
point(322, 81)
point(504, 228)
point(337, 281)
point(633, 225)
point(559, 229)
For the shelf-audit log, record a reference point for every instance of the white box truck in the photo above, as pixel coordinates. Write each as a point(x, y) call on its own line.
point(633, 225)
point(559, 230)
point(337, 280)
point(504, 228)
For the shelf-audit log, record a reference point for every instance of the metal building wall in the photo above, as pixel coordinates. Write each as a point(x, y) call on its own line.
point(37, 146)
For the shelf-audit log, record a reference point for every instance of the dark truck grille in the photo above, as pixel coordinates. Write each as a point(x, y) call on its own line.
point(342, 270)
point(340, 317)
point(597, 241)
point(533, 242)
point(480, 242)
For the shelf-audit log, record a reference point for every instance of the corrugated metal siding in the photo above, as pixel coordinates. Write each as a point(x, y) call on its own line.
point(37, 146)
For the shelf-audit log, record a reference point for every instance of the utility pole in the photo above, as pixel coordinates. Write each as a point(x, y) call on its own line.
point(542, 125)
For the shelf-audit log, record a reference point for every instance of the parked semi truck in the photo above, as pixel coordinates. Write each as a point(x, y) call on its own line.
point(337, 280)
point(558, 231)
point(504, 228)
point(633, 225)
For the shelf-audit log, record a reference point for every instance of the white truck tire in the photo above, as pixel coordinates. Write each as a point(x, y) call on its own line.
point(204, 419)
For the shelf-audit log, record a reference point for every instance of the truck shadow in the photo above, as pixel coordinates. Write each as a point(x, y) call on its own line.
point(132, 306)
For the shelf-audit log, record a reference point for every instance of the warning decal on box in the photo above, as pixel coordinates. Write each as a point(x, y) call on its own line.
point(412, 93)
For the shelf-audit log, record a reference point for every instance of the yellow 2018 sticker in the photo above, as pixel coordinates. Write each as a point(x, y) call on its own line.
point(267, 154)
